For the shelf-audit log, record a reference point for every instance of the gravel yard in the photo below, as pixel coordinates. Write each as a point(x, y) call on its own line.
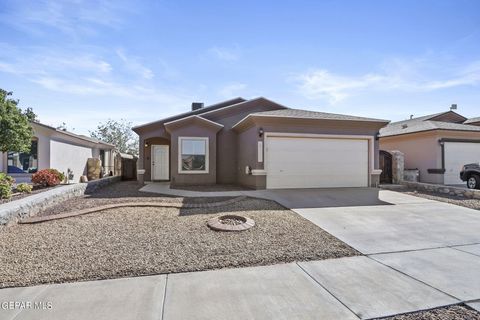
point(457, 312)
point(142, 241)
point(459, 201)
point(125, 191)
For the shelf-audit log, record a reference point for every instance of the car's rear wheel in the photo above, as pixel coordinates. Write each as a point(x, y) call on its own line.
point(473, 182)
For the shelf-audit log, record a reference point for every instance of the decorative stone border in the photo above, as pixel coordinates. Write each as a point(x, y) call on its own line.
point(35, 203)
point(216, 225)
point(439, 188)
point(162, 204)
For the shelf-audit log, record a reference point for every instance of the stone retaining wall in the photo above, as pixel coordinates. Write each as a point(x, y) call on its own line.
point(31, 205)
point(453, 191)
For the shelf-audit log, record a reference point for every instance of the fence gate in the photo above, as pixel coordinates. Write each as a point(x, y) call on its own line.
point(386, 166)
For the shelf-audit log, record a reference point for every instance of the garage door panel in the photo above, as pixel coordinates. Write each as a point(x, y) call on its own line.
point(316, 162)
point(458, 154)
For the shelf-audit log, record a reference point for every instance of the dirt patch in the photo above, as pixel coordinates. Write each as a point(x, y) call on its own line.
point(457, 312)
point(143, 241)
point(120, 192)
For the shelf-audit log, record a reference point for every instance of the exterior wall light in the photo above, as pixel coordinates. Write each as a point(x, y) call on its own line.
point(260, 132)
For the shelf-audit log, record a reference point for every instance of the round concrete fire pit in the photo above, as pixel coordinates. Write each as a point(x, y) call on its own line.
point(230, 223)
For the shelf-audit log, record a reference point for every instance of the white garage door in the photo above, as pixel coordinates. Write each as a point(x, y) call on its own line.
point(300, 162)
point(456, 155)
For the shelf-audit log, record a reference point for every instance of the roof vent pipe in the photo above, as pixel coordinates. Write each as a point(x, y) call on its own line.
point(197, 105)
point(411, 116)
point(453, 107)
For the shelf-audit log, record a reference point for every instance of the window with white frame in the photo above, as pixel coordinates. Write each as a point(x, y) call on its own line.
point(193, 155)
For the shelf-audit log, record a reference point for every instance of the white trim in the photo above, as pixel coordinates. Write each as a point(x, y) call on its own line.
point(152, 159)
point(370, 139)
point(260, 151)
point(259, 172)
point(194, 116)
point(207, 156)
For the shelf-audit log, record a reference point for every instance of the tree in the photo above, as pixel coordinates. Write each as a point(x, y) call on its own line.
point(118, 133)
point(15, 130)
point(31, 116)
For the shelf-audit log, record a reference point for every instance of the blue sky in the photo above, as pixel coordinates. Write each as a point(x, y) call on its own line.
point(82, 62)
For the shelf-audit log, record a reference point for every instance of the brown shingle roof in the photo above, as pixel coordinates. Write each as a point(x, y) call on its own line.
point(404, 127)
point(307, 114)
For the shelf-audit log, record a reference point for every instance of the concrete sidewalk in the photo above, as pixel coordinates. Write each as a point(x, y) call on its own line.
point(346, 288)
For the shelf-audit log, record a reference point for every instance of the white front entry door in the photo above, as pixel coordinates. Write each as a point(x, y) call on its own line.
point(307, 162)
point(160, 162)
point(458, 154)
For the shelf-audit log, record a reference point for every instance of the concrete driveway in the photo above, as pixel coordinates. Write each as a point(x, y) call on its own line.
point(402, 222)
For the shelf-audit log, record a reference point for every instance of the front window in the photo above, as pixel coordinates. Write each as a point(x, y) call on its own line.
point(193, 155)
point(24, 162)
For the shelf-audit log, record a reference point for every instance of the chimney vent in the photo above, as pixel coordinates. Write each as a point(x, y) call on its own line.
point(197, 105)
point(453, 107)
point(411, 116)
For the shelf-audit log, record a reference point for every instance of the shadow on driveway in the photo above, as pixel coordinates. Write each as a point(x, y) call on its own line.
point(325, 198)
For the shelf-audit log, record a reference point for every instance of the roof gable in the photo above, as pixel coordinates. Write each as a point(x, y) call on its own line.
point(209, 108)
point(179, 123)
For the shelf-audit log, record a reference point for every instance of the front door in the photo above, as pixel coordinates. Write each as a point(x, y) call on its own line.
point(160, 162)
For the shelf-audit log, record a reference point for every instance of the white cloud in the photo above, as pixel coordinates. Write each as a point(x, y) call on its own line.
point(71, 17)
point(226, 54)
point(133, 64)
point(232, 90)
point(414, 76)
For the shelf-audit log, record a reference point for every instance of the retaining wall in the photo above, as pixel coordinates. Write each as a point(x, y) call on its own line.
point(31, 205)
point(454, 191)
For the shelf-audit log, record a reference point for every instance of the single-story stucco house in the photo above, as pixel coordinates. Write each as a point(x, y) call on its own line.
point(260, 144)
point(56, 149)
point(438, 145)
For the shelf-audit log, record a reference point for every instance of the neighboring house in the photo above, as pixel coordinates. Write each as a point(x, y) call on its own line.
point(473, 121)
point(438, 144)
point(57, 149)
point(260, 144)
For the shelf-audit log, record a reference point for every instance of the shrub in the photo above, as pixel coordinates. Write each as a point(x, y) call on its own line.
point(5, 191)
point(5, 179)
point(46, 178)
point(60, 175)
point(24, 188)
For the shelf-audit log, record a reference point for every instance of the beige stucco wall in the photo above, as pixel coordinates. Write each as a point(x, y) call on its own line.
point(423, 151)
point(66, 156)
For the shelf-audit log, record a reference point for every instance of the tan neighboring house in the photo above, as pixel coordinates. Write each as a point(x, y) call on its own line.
point(57, 149)
point(438, 145)
point(260, 144)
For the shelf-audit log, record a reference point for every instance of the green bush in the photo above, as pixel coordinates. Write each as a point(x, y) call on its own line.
point(60, 175)
point(24, 188)
point(5, 191)
point(5, 179)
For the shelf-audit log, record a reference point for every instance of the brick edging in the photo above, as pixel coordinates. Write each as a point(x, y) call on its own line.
point(162, 204)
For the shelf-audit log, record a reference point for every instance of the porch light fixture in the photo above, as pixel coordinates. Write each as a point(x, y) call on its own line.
point(260, 132)
point(146, 144)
